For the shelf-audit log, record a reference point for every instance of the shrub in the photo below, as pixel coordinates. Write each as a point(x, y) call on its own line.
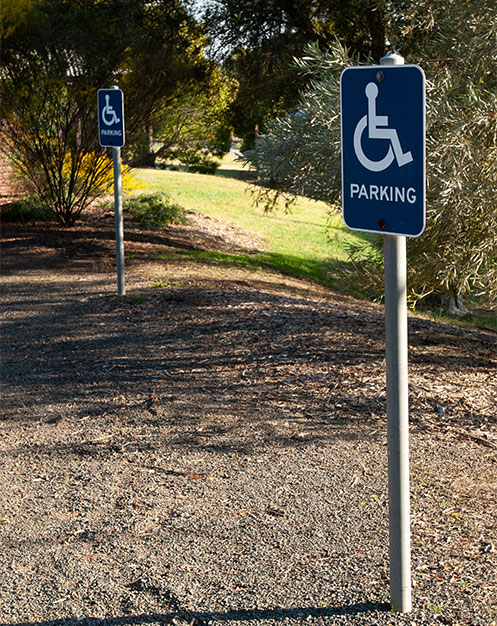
point(155, 210)
point(196, 160)
point(27, 209)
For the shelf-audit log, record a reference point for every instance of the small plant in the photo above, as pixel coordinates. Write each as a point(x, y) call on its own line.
point(27, 209)
point(156, 209)
point(436, 608)
point(163, 283)
point(136, 299)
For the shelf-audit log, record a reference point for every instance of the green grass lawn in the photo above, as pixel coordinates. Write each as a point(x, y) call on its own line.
point(306, 242)
point(309, 242)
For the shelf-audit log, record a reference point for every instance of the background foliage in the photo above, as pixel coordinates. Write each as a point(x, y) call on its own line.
point(457, 46)
point(55, 54)
point(257, 42)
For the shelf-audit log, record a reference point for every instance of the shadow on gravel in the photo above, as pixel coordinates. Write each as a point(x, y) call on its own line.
point(295, 368)
point(198, 619)
point(47, 246)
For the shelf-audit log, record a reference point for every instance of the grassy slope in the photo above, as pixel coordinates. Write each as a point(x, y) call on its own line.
point(295, 242)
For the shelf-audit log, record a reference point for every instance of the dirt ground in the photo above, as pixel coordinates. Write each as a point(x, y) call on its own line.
point(212, 446)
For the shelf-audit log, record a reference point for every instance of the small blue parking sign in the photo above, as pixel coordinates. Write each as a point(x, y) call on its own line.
point(110, 118)
point(383, 149)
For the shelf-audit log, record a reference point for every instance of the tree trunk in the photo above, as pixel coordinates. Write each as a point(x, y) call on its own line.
point(453, 303)
point(376, 22)
point(150, 138)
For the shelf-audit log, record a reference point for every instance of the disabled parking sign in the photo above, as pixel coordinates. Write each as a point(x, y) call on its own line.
point(110, 118)
point(383, 149)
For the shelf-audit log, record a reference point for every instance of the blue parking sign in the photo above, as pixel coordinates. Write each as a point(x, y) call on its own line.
point(110, 118)
point(383, 149)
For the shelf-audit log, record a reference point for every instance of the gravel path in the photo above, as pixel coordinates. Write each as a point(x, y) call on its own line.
point(213, 450)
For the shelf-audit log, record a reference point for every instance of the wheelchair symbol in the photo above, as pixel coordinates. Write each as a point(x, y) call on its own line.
point(377, 126)
point(109, 116)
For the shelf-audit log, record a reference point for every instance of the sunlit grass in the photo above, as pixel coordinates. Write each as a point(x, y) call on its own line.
point(306, 241)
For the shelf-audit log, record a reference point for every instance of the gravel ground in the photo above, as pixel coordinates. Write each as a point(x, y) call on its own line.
point(212, 449)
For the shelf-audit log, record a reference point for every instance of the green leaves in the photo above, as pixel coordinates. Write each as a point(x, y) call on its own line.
point(156, 209)
point(456, 44)
point(57, 53)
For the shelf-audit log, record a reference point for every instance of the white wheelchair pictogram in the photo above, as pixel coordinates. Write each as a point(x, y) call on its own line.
point(377, 126)
point(109, 116)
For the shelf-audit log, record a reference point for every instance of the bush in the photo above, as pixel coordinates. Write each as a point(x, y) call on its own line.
point(27, 209)
point(196, 160)
point(155, 210)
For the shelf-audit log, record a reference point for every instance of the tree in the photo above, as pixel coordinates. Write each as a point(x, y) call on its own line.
point(258, 40)
point(193, 125)
point(457, 255)
point(53, 62)
point(457, 46)
point(300, 153)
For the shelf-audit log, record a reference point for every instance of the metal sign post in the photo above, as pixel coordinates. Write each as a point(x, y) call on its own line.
point(383, 190)
point(118, 210)
point(111, 135)
point(397, 420)
point(394, 250)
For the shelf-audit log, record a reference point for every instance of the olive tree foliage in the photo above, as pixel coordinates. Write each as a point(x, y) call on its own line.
point(300, 153)
point(457, 255)
point(456, 44)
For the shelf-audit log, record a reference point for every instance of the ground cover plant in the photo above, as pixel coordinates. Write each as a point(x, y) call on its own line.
point(28, 208)
point(154, 209)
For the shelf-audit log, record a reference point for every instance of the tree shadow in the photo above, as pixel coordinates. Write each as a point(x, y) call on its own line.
point(193, 326)
point(47, 246)
point(297, 370)
point(201, 618)
point(246, 175)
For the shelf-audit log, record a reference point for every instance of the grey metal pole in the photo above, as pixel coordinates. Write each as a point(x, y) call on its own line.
point(397, 421)
point(397, 411)
point(118, 208)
